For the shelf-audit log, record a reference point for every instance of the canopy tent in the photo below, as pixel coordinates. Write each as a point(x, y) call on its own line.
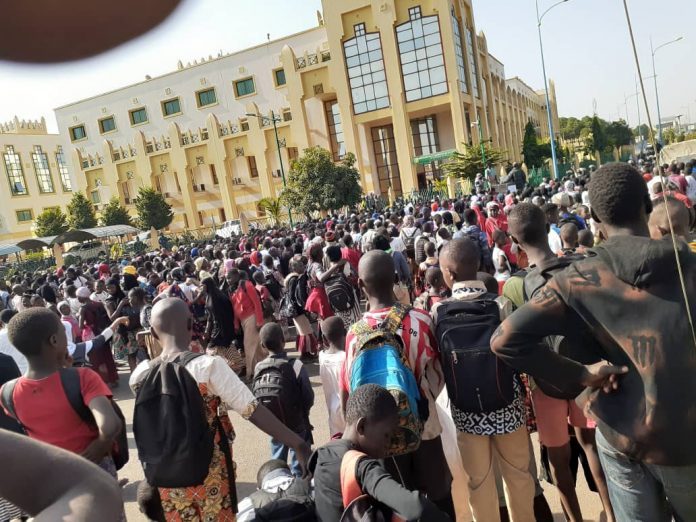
point(35, 243)
point(111, 231)
point(6, 250)
point(73, 236)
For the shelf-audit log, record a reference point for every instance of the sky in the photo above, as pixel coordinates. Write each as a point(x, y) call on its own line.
point(586, 44)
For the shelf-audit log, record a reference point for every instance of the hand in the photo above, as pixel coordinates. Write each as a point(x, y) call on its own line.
point(124, 302)
point(341, 263)
point(97, 450)
point(121, 321)
point(303, 452)
point(603, 375)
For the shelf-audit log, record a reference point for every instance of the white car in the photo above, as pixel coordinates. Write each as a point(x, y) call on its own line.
point(229, 229)
point(88, 250)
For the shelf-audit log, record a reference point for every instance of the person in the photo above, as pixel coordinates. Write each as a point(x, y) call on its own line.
point(6, 346)
point(350, 253)
point(569, 237)
point(39, 401)
point(554, 414)
point(318, 301)
point(503, 268)
point(474, 232)
point(424, 469)
point(297, 388)
point(268, 304)
point(409, 234)
point(663, 213)
point(219, 331)
point(248, 316)
point(371, 416)
point(435, 290)
point(331, 360)
point(495, 221)
point(93, 320)
point(346, 289)
point(125, 344)
point(100, 295)
point(66, 316)
point(116, 295)
point(516, 177)
point(481, 435)
point(172, 326)
point(564, 202)
point(648, 386)
point(586, 241)
point(306, 341)
point(425, 237)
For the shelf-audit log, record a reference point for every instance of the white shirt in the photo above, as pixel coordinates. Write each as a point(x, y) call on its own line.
point(691, 188)
point(397, 244)
point(330, 365)
point(99, 297)
point(555, 243)
point(7, 348)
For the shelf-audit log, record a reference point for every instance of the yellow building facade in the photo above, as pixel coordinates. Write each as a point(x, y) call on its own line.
point(37, 176)
point(399, 83)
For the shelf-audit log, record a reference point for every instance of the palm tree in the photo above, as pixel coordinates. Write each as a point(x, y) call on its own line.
point(272, 207)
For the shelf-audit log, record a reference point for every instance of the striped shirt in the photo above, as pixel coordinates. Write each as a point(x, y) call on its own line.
point(421, 349)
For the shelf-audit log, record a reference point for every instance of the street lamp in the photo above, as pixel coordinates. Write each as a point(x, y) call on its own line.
point(657, 97)
point(640, 127)
point(546, 84)
point(275, 119)
point(477, 123)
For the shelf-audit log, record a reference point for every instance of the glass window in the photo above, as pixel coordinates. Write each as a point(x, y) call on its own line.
point(366, 71)
point(253, 169)
point(287, 115)
point(138, 116)
point(279, 77)
point(426, 141)
point(206, 97)
point(15, 173)
point(171, 107)
point(472, 61)
point(24, 215)
point(333, 118)
point(244, 87)
point(422, 60)
point(213, 174)
point(78, 133)
point(43, 171)
point(94, 196)
point(107, 125)
point(245, 125)
point(63, 170)
point(386, 160)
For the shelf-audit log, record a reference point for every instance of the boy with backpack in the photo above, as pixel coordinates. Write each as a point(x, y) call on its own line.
point(435, 290)
point(486, 396)
point(346, 469)
point(282, 385)
point(396, 340)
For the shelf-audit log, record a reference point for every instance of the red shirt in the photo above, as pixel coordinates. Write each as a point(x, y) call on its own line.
point(44, 410)
point(352, 256)
point(493, 224)
point(246, 302)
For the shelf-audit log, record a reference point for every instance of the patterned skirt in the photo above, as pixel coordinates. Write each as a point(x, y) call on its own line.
point(124, 345)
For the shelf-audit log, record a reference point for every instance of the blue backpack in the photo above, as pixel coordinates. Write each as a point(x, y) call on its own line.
point(380, 359)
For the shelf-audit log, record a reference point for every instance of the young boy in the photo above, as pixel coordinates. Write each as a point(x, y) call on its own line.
point(569, 237)
point(501, 262)
point(282, 385)
point(331, 361)
point(40, 402)
point(435, 290)
point(371, 415)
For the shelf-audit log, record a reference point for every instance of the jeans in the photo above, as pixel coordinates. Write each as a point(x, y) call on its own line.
point(643, 492)
point(280, 451)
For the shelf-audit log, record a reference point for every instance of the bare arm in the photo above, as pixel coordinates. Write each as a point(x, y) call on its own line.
point(331, 271)
point(108, 425)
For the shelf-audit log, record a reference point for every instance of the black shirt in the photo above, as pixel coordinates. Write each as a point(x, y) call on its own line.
point(8, 371)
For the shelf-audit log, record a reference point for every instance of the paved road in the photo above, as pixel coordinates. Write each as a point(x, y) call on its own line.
point(252, 448)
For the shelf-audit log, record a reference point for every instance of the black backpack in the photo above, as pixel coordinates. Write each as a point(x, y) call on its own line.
point(477, 381)
point(301, 293)
point(419, 247)
point(174, 440)
point(340, 293)
point(293, 504)
point(410, 242)
point(276, 387)
point(288, 308)
point(273, 286)
point(70, 381)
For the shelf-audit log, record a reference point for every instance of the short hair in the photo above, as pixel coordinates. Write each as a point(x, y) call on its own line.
point(333, 329)
point(268, 467)
point(433, 277)
point(527, 223)
point(470, 216)
point(586, 238)
point(464, 253)
point(6, 316)
point(369, 401)
point(334, 253)
point(28, 330)
point(618, 194)
point(271, 336)
point(678, 214)
point(490, 282)
point(569, 233)
point(381, 242)
point(259, 277)
point(429, 249)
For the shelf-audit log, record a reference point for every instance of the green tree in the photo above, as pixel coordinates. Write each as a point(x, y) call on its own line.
point(643, 130)
point(316, 183)
point(152, 209)
point(467, 163)
point(114, 214)
point(51, 222)
point(619, 134)
point(273, 207)
point(81, 213)
point(534, 150)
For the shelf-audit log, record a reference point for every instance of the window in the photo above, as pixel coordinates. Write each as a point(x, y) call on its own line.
point(207, 97)
point(333, 118)
point(368, 81)
point(253, 170)
point(244, 125)
point(107, 125)
point(279, 76)
point(24, 215)
point(472, 61)
point(426, 141)
point(94, 196)
point(414, 13)
point(63, 170)
point(386, 160)
point(126, 192)
point(244, 87)
point(223, 216)
point(422, 60)
point(287, 115)
point(138, 116)
point(15, 173)
point(293, 154)
point(43, 171)
point(78, 133)
point(213, 175)
point(459, 53)
point(171, 107)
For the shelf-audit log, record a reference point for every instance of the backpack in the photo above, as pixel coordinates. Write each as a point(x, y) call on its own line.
point(380, 359)
point(359, 507)
point(419, 247)
point(476, 380)
point(294, 504)
point(410, 242)
point(301, 293)
point(288, 308)
point(275, 385)
point(174, 440)
point(70, 381)
point(340, 292)
point(273, 286)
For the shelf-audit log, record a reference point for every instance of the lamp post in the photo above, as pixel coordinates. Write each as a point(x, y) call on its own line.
point(477, 123)
point(657, 96)
point(546, 84)
point(640, 129)
point(275, 119)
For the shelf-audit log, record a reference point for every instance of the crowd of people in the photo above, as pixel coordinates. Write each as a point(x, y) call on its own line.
point(445, 334)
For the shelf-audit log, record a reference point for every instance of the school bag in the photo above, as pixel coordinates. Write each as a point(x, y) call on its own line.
point(410, 242)
point(288, 308)
point(273, 286)
point(70, 381)
point(419, 247)
point(301, 293)
point(340, 293)
point(360, 507)
point(476, 380)
point(276, 386)
point(294, 504)
point(174, 440)
point(380, 359)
